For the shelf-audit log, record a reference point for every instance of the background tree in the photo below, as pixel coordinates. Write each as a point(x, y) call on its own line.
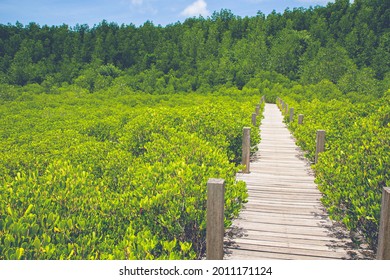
point(330, 63)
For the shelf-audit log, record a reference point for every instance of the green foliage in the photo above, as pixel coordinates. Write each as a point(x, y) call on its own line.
point(286, 47)
point(361, 81)
point(116, 175)
point(330, 63)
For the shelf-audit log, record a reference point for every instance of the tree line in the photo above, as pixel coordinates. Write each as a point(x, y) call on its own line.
point(345, 43)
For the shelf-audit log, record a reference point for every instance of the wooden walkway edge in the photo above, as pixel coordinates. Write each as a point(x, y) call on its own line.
point(284, 218)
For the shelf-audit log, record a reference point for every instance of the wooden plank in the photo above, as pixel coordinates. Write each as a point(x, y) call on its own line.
point(290, 244)
point(260, 234)
point(290, 178)
point(264, 255)
point(248, 255)
point(289, 216)
point(285, 203)
point(284, 195)
point(276, 179)
point(252, 216)
point(329, 254)
point(298, 188)
point(298, 229)
point(303, 197)
point(275, 209)
point(270, 184)
point(258, 181)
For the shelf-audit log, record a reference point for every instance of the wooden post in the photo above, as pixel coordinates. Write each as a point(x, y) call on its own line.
point(320, 143)
point(246, 148)
point(383, 252)
point(257, 109)
point(254, 119)
point(300, 119)
point(291, 114)
point(215, 229)
point(286, 111)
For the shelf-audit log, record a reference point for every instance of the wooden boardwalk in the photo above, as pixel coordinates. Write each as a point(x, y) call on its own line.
point(284, 218)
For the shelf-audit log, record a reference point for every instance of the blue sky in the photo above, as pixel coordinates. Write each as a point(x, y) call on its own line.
point(71, 12)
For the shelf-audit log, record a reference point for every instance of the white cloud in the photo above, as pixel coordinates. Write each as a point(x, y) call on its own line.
point(142, 7)
point(197, 8)
point(137, 2)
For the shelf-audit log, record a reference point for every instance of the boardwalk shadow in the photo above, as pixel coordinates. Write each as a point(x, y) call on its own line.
point(355, 248)
point(231, 234)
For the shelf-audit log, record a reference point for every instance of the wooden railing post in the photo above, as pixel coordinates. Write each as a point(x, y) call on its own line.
point(286, 111)
point(320, 143)
point(246, 148)
point(257, 109)
point(291, 114)
point(383, 252)
point(215, 229)
point(254, 115)
point(300, 119)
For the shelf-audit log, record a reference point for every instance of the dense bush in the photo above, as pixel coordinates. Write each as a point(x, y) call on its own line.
point(116, 176)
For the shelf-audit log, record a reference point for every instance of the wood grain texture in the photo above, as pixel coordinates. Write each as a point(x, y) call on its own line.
point(246, 146)
point(284, 217)
point(384, 227)
point(215, 219)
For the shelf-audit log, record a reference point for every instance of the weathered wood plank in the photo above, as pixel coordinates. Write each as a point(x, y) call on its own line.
point(284, 188)
point(291, 236)
point(248, 255)
point(285, 221)
point(297, 229)
point(304, 242)
point(329, 254)
point(315, 249)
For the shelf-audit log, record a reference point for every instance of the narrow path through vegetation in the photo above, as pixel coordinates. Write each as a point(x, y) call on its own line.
point(284, 217)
